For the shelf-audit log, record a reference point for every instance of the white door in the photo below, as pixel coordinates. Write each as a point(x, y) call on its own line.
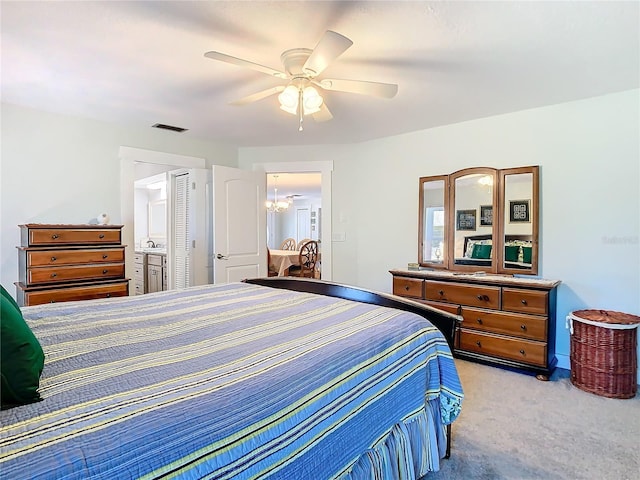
point(188, 250)
point(239, 224)
point(303, 223)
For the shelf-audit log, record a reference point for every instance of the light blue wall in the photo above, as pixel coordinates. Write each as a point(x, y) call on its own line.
point(588, 152)
point(63, 169)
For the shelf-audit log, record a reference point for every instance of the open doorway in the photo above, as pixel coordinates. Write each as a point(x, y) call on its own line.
point(295, 212)
point(322, 213)
point(137, 164)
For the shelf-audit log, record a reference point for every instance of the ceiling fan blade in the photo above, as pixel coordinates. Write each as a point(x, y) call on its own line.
point(245, 63)
point(323, 115)
point(376, 89)
point(330, 47)
point(258, 96)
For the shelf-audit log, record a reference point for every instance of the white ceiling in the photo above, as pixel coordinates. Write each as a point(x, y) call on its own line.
point(138, 63)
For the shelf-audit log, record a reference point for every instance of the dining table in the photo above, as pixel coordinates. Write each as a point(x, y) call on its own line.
point(281, 260)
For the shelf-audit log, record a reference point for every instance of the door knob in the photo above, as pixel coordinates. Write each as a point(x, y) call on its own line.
point(219, 256)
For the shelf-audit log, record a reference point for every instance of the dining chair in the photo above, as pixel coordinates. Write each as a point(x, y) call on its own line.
point(302, 242)
point(270, 270)
point(288, 244)
point(307, 258)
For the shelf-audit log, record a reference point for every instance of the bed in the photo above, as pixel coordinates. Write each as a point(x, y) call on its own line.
point(307, 380)
point(477, 251)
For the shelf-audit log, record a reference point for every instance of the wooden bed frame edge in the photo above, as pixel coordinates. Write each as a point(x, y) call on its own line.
point(444, 321)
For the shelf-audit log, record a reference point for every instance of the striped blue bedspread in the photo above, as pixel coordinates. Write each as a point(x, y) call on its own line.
point(232, 381)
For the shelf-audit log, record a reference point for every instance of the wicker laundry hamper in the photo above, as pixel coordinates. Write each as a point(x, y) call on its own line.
point(604, 352)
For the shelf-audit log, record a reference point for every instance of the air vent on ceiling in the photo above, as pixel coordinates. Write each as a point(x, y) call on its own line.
point(169, 127)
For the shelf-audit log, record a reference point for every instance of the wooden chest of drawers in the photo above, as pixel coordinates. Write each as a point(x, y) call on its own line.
point(507, 321)
point(59, 263)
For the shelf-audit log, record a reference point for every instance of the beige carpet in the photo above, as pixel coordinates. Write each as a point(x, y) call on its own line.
point(513, 426)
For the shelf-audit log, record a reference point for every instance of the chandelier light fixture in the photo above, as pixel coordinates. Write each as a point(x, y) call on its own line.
point(300, 98)
point(277, 206)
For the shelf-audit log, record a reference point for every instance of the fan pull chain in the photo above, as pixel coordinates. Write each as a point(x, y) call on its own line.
point(300, 108)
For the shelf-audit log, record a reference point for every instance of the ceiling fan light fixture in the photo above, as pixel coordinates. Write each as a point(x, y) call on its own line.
point(312, 100)
point(289, 98)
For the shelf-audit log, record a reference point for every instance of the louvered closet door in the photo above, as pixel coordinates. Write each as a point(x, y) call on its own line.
point(181, 231)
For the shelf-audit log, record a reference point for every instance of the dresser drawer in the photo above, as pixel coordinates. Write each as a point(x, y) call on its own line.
point(76, 293)
point(520, 350)
point(463, 294)
point(139, 258)
point(525, 301)
point(70, 257)
point(73, 236)
point(71, 273)
point(407, 287)
point(447, 307)
point(524, 326)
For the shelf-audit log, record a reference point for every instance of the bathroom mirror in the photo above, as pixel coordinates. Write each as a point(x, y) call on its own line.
point(158, 219)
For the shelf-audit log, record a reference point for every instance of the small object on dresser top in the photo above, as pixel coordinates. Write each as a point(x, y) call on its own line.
point(413, 266)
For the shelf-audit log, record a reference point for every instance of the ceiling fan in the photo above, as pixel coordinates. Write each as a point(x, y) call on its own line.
point(302, 66)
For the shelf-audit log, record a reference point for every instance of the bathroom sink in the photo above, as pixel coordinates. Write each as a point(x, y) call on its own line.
point(153, 250)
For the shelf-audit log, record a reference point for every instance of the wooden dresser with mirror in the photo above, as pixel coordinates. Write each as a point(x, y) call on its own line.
point(478, 254)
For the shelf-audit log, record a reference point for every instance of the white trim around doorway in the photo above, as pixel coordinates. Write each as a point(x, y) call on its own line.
point(324, 168)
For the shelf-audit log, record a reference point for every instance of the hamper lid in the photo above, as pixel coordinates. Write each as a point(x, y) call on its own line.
point(606, 316)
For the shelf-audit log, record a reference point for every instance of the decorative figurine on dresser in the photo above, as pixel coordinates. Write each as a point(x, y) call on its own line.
point(478, 253)
point(62, 263)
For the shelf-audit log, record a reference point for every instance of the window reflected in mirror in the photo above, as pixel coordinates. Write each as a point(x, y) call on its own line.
point(433, 225)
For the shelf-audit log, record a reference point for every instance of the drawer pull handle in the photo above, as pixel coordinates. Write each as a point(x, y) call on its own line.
point(54, 275)
point(479, 320)
point(52, 301)
point(406, 287)
point(479, 344)
point(483, 298)
point(105, 271)
point(522, 352)
point(108, 295)
point(524, 302)
point(53, 259)
point(523, 327)
point(101, 235)
point(105, 256)
point(441, 292)
point(54, 236)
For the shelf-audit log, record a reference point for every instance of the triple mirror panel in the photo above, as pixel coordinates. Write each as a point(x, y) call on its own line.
point(480, 219)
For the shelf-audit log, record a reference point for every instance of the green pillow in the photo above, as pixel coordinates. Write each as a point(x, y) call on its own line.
point(21, 356)
point(481, 251)
point(511, 253)
point(526, 254)
point(8, 296)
